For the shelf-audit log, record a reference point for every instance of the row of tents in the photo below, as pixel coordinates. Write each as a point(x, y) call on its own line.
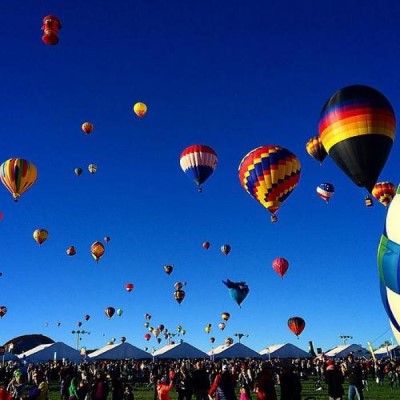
point(60, 351)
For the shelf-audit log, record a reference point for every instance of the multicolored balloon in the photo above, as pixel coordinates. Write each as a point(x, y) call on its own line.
point(391, 303)
point(168, 269)
point(87, 317)
point(50, 27)
point(3, 311)
point(226, 249)
point(269, 174)
point(237, 290)
point(208, 328)
point(384, 192)
point(179, 295)
point(315, 149)
point(78, 171)
point(109, 311)
point(296, 325)
point(206, 245)
point(357, 128)
point(129, 287)
point(325, 191)
point(40, 235)
point(280, 266)
point(198, 162)
point(92, 168)
point(221, 326)
point(87, 128)
point(17, 175)
point(71, 251)
point(225, 316)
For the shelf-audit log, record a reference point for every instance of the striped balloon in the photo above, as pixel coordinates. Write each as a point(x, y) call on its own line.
point(384, 192)
point(269, 174)
point(315, 149)
point(357, 128)
point(17, 175)
point(325, 191)
point(391, 303)
point(198, 162)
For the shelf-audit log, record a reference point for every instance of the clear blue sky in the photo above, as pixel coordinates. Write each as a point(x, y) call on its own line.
point(232, 75)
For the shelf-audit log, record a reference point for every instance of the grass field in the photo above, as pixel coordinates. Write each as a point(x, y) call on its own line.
point(374, 392)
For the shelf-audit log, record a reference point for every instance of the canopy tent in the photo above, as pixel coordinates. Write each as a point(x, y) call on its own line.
point(392, 351)
point(287, 350)
point(7, 356)
point(343, 350)
point(54, 351)
point(235, 350)
point(179, 350)
point(119, 351)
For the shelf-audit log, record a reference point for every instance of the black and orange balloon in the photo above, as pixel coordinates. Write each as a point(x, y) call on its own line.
point(109, 311)
point(357, 127)
point(129, 287)
point(296, 325)
point(179, 295)
point(225, 316)
point(228, 341)
point(71, 251)
point(97, 249)
point(315, 149)
point(168, 269)
point(384, 192)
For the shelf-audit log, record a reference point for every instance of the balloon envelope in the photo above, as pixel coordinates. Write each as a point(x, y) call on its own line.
point(280, 266)
point(17, 175)
point(198, 162)
point(3, 311)
point(325, 191)
point(109, 311)
point(315, 149)
point(357, 128)
point(97, 249)
point(87, 128)
point(296, 325)
point(237, 290)
point(269, 174)
point(129, 287)
point(40, 235)
point(140, 109)
point(384, 192)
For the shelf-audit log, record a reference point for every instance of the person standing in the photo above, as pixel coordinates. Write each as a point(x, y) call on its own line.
point(200, 382)
point(223, 387)
point(290, 382)
point(265, 385)
point(354, 373)
point(334, 379)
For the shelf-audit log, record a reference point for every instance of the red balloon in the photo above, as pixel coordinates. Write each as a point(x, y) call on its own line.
point(129, 287)
point(147, 336)
point(296, 325)
point(206, 245)
point(280, 265)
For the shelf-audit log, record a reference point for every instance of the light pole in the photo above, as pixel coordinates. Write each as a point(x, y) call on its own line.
point(345, 338)
point(240, 335)
point(78, 336)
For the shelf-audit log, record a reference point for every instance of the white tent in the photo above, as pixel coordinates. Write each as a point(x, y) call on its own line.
point(119, 351)
point(54, 351)
point(179, 350)
point(287, 350)
point(392, 351)
point(235, 350)
point(343, 350)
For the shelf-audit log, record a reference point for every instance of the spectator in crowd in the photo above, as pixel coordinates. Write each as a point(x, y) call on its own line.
point(334, 379)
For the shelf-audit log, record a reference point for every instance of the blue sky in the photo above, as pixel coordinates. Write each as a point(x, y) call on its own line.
point(230, 75)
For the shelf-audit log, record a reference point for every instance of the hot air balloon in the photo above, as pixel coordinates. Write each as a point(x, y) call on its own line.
point(225, 316)
point(206, 245)
point(315, 149)
point(225, 249)
point(161, 327)
point(3, 311)
point(296, 325)
point(147, 316)
point(168, 269)
point(146, 324)
point(391, 303)
point(109, 311)
point(119, 312)
point(198, 162)
point(40, 235)
point(147, 336)
point(212, 339)
point(208, 328)
point(357, 128)
point(325, 191)
point(123, 339)
point(97, 249)
point(71, 251)
point(17, 175)
point(179, 295)
point(228, 341)
point(51, 26)
point(237, 290)
point(92, 168)
point(280, 266)
point(156, 332)
point(140, 109)
point(87, 317)
point(78, 171)
point(87, 128)
point(269, 174)
point(107, 239)
point(221, 326)
point(178, 285)
point(129, 287)
point(79, 324)
point(58, 324)
point(384, 192)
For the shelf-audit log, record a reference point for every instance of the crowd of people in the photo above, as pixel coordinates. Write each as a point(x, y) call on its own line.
point(250, 379)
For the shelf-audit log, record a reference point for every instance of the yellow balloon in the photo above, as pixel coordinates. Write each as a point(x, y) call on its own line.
point(140, 109)
point(40, 235)
point(97, 249)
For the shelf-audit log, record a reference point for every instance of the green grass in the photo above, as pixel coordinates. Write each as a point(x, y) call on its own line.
point(375, 392)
